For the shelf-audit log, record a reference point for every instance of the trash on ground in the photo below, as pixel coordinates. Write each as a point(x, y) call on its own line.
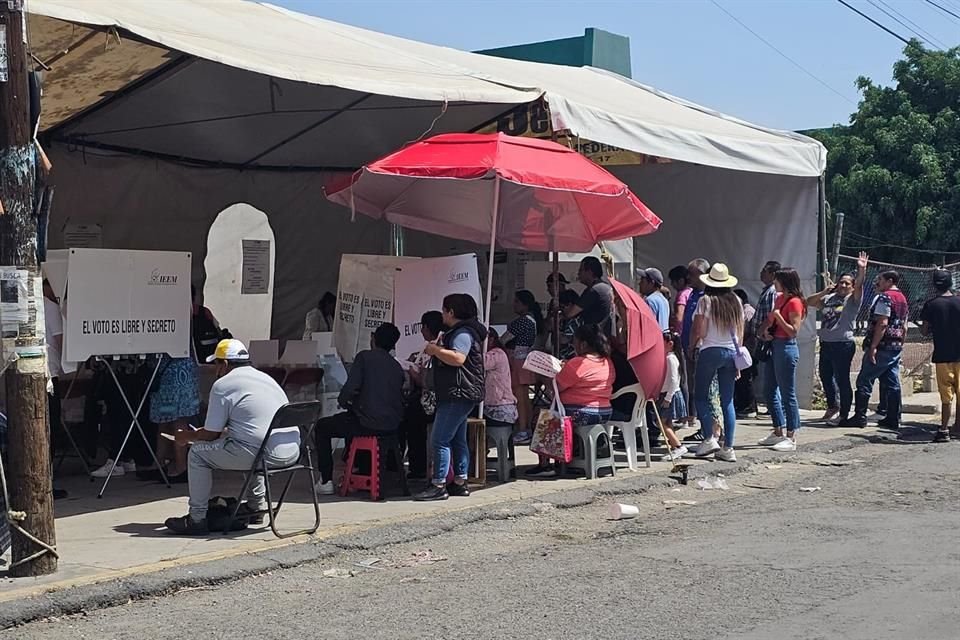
point(809, 489)
point(757, 486)
point(679, 503)
point(623, 511)
point(773, 467)
point(338, 573)
point(710, 482)
point(417, 559)
point(828, 462)
point(369, 563)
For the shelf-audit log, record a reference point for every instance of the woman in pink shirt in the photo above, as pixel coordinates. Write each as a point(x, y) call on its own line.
point(586, 381)
point(499, 403)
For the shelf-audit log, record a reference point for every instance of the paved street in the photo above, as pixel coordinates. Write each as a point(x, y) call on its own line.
point(871, 555)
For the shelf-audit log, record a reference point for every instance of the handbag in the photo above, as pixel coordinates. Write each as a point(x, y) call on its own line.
point(741, 358)
point(553, 435)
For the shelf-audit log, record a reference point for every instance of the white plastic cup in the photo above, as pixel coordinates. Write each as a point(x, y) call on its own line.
point(623, 511)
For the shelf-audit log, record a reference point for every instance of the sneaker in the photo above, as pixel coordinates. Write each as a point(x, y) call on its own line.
point(875, 416)
point(858, 422)
point(836, 420)
point(541, 471)
point(888, 423)
point(771, 440)
point(696, 436)
point(830, 415)
point(708, 447)
point(676, 454)
point(325, 488)
point(727, 455)
point(522, 437)
point(458, 490)
point(785, 445)
point(942, 436)
point(128, 467)
point(104, 471)
point(432, 494)
point(187, 526)
point(747, 415)
point(252, 514)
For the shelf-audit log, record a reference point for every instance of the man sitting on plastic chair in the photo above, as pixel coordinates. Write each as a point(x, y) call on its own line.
point(242, 404)
point(372, 399)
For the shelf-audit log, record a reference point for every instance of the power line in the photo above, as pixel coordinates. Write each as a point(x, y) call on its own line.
point(942, 8)
point(782, 54)
point(863, 15)
point(928, 36)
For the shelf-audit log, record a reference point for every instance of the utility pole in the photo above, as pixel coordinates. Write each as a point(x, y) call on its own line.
point(30, 473)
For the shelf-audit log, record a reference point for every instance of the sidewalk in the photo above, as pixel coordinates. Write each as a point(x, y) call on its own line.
point(122, 534)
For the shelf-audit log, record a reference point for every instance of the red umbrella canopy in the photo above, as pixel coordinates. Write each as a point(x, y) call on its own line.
point(543, 195)
point(645, 349)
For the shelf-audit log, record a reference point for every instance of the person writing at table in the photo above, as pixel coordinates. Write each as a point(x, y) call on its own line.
point(242, 404)
point(372, 399)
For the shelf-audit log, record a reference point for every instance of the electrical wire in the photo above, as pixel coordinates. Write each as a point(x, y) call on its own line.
point(884, 244)
point(916, 31)
point(944, 9)
point(878, 24)
point(782, 54)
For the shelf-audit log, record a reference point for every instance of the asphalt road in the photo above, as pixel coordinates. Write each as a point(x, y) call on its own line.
point(872, 555)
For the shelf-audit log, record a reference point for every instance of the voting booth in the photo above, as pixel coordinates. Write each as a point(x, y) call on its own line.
point(132, 305)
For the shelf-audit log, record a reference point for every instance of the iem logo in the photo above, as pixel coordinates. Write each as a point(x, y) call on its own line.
point(456, 276)
point(162, 279)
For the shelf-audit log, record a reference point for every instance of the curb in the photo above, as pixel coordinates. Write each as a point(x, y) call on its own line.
point(111, 593)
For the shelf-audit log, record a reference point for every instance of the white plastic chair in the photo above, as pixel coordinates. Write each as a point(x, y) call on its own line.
point(629, 429)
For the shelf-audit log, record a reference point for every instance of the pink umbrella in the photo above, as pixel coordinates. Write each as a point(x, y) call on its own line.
point(644, 348)
point(520, 193)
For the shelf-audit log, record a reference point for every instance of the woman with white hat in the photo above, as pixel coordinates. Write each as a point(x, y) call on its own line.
point(717, 331)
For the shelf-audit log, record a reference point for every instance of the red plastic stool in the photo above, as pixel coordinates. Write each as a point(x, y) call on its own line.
point(353, 480)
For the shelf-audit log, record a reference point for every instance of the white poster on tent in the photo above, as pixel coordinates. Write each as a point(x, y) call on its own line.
point(364, 300)
point(127, 303)
point(83, 236)
point(421, 286)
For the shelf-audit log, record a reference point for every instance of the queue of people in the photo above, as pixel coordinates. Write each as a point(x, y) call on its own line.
point(716, 343)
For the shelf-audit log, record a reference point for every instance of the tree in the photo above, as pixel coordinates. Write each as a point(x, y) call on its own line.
point(895, 171)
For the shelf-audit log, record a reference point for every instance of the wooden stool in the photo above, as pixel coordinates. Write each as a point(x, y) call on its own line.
point(477, 443)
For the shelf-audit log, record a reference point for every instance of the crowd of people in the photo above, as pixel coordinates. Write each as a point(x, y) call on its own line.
point(719, 348)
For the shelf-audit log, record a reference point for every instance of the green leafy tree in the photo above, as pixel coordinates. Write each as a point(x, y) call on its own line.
point(895, 171)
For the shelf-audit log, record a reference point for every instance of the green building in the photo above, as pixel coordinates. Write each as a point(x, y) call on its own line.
point(595, 48)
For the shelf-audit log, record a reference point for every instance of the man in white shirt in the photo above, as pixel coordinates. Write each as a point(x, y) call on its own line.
point(242, 404)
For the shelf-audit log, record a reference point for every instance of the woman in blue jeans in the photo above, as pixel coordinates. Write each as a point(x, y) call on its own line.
point(782, 327)
point(717, 330)
point(458, 381)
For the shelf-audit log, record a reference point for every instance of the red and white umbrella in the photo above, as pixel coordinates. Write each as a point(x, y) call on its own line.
point(520, 193)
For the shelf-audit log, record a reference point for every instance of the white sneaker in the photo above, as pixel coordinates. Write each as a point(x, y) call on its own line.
point(325, 488)
point(676, 454)
point(708, 447)
point(128, 467)
point(785, 445)
point(771, 440)
point(104, 471)
point(727, 455)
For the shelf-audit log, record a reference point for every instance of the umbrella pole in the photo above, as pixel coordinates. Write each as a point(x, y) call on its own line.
point(491, 258)
point(556, 316)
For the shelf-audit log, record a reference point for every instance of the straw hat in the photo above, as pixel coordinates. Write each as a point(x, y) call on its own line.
point(719, 277)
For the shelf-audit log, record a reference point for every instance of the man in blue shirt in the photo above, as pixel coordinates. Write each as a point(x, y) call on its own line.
point(650, 282)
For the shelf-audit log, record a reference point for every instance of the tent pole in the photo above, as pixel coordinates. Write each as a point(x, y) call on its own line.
point(555, 321)
point(491, 257)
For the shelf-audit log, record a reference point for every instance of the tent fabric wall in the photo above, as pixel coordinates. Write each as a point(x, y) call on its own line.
point(742, 219)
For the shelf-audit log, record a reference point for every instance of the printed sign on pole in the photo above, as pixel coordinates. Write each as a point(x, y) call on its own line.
point(127, 303)
point(421, 286)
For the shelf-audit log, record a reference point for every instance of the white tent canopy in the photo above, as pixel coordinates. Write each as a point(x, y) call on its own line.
point(158, 115)
point(265, 86)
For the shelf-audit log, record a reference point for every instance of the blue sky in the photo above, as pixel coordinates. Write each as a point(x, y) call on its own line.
point(688, 47)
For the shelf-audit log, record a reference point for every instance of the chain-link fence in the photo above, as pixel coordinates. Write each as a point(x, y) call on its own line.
point(917, 285)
